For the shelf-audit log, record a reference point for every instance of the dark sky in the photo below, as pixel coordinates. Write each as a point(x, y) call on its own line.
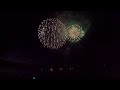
point(98, 52)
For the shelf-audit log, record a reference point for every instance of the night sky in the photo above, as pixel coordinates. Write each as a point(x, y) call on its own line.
point(22, 55)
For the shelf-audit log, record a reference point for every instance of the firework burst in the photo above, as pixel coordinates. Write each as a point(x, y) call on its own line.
point(75, 33)
point(52, 33)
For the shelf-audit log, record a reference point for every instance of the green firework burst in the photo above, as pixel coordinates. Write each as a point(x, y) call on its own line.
point(75, 33)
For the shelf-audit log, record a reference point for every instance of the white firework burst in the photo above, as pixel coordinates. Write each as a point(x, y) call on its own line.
point(52, 33)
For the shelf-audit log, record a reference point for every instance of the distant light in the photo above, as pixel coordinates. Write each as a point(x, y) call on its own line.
point(71, 68)
point(104, 64)
point(19, 75)
point(51, 69)
point(33, 77)
point(41, 69)
point(110, 69)
point(61, 69)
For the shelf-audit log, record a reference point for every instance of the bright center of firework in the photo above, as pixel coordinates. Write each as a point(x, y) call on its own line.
point(75, 33)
